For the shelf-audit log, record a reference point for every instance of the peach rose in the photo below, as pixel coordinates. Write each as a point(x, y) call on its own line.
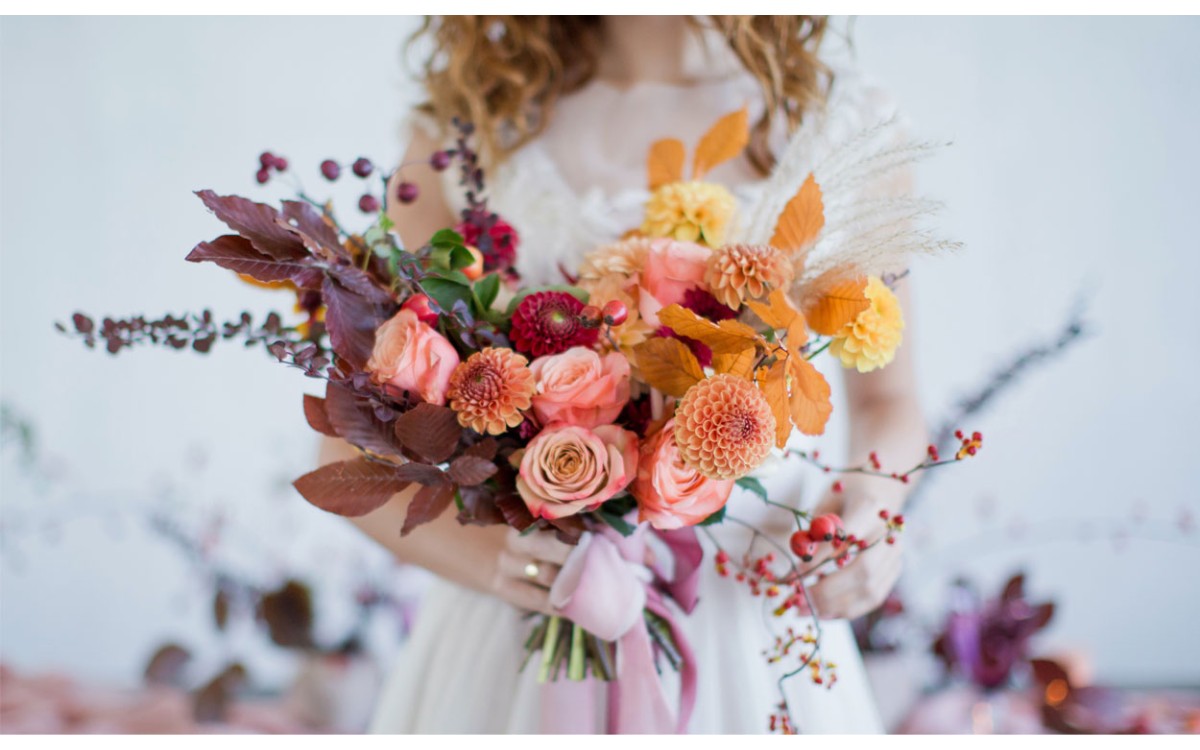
point(568, 469)
point(580, 387)
point(412, 356)
point(671, 268)
point(670, 493)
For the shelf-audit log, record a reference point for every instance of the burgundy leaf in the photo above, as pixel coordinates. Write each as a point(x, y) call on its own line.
point(350, 488)
point(288, 613)
point(430, 431)
point(221, 607)
point(212, 700)
point(362, 283)
point(1014, 589)
point(317, 235)
point(1042, 615)
point(83, 323)
point(257, 223)
point(166, 666)
point(485, 448)
point(479, 507)
point(237, 254)
point(429, 503)
point(514, 510)
point(422, 474)
point(351, 321)
point(471, 470)
point(353, 419)
point(314, 412)
point(569, 529)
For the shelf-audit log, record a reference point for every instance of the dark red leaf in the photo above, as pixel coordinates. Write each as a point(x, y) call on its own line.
point(569, 529)
point(469, 471)
point(237, 254)
point(1042, 615)
point(350, 488)
point(317, 235)
point(1014, 589)
point(256, 222)
point(288, 613)
point(353, 419)
point(485, 448)
point(430, 431)
point(429, 503)
point(351, 321)
point(514, 510)
point(479, 507)
point(421, 474)
point(212, 700)
point(166, 666)
point(221, 608)
point(314, 412)
point(83, 323)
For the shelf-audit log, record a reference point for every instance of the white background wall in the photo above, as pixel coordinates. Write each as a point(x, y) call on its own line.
point(1073, 166)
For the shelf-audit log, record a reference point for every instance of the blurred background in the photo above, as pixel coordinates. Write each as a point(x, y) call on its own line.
point(152, 551)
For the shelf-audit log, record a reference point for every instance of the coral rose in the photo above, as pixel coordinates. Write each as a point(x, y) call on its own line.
point(670, 492)
point(568, 469)
point(871, 340)
point(579, 387)
point(690, 211)
point(410, 355)
point(669, 270)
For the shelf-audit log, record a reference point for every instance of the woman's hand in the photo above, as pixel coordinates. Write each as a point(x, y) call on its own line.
point(526, 568)
point(866, 581)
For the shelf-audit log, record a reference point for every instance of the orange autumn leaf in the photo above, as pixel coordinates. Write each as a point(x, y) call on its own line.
point(668, 365)
point(665, 162)
point(802, 218)
point(776, 312)
point(722, 142)
point(809, 403)
point(837, 305)
point(772, 382)
point(740, 364)
point(726, 337)
point(797, 332)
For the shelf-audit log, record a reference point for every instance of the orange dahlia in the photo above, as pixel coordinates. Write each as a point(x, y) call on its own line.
point(870, 340)
point(690, 212)
point(738, 272)
point(724, 427)
point(491, 389)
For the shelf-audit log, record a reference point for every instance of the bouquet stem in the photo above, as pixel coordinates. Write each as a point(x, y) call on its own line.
point(576, 667)
point(549, 647)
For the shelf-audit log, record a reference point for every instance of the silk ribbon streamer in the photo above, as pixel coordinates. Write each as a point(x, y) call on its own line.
point(604, 587)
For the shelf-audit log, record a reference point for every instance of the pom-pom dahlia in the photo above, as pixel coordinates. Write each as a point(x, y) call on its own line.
point(724, 427)
point(491, 389)
point(871, 340)
point(690, 212)
point(549, 323)
point(739, 272)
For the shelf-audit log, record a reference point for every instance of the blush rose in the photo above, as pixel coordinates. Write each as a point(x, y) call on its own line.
point(579, 387)
point(670, 493)
point(568, 469)
point(412, 356)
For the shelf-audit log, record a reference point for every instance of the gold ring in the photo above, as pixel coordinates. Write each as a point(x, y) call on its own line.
point(532, 570)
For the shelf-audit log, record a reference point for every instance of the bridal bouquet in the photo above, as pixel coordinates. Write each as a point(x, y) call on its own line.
point(621, 406)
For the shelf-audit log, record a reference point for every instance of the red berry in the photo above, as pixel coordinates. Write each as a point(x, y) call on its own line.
point(281, 164)
point(262, 176)
point(899, 520)
point(837, 486)
point(958, 434)
point(330, 170)
point(803, 545)
point(977, 436)
point(591, 316)
point(420, 304)
point(821, 529)
point(615, 312)
point(440, 160)
point(266, 159)
point(407, 192)
point(368, 204)
point(884, 514)
point(722, 557)
point(363, 167)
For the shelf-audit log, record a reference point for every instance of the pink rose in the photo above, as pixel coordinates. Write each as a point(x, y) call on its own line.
point(568, 469)
point(671, 268)
point(412, 356)
point(580, 387)
point(670, 493)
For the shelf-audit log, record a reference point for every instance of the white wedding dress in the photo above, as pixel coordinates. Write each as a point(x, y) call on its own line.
point(578, 186)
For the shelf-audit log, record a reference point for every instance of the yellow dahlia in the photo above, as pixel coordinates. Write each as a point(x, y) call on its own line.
point(491, 389)
point(738, 272)
point(724, 427)
point(870, 341)
point(689, 212)
point(624, 258)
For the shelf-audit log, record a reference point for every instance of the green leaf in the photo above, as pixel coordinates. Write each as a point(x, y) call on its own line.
point(755, 486)
point(446, 237)
point(717, 517)
point(446, 291)
point(622, 527)
point(486, 290)
point(460, 257)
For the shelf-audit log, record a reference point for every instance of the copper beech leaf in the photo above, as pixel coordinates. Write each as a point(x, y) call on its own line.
point(429, 503)
point(257, 222)
point(802, 218)
point(837, 305)
point(238, 254)
point(726, 337)
point(776, 312)
point(809, 401)
point(314, 412)
point(430, 431)
point(797, 333)
point(668, 365)
point(740, 364)
point(723, 141)
point(313, 230)
point(350, 488)
point(353, 419)
point(469, 471)
point(665, 162)
point(351, 320)
point(773, 384)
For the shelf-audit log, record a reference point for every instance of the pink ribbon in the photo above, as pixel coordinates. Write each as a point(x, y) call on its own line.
point(604, 587)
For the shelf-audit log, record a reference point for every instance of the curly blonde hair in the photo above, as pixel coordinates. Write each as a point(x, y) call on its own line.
point(505, 73)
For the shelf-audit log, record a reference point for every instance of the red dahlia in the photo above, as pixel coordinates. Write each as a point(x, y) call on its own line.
point(549, 323)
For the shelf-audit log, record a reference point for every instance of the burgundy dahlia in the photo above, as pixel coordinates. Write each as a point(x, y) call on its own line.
point(703, 352)
point(706, 306)
point(498, 245)
point(550, 323)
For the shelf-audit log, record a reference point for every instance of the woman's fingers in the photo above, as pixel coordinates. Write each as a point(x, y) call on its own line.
point(859, 587)
point(521, 566)
point(540, 545)
point(524, 595)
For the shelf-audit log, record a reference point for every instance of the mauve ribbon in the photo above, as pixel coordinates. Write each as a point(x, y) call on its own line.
point(604, 588)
